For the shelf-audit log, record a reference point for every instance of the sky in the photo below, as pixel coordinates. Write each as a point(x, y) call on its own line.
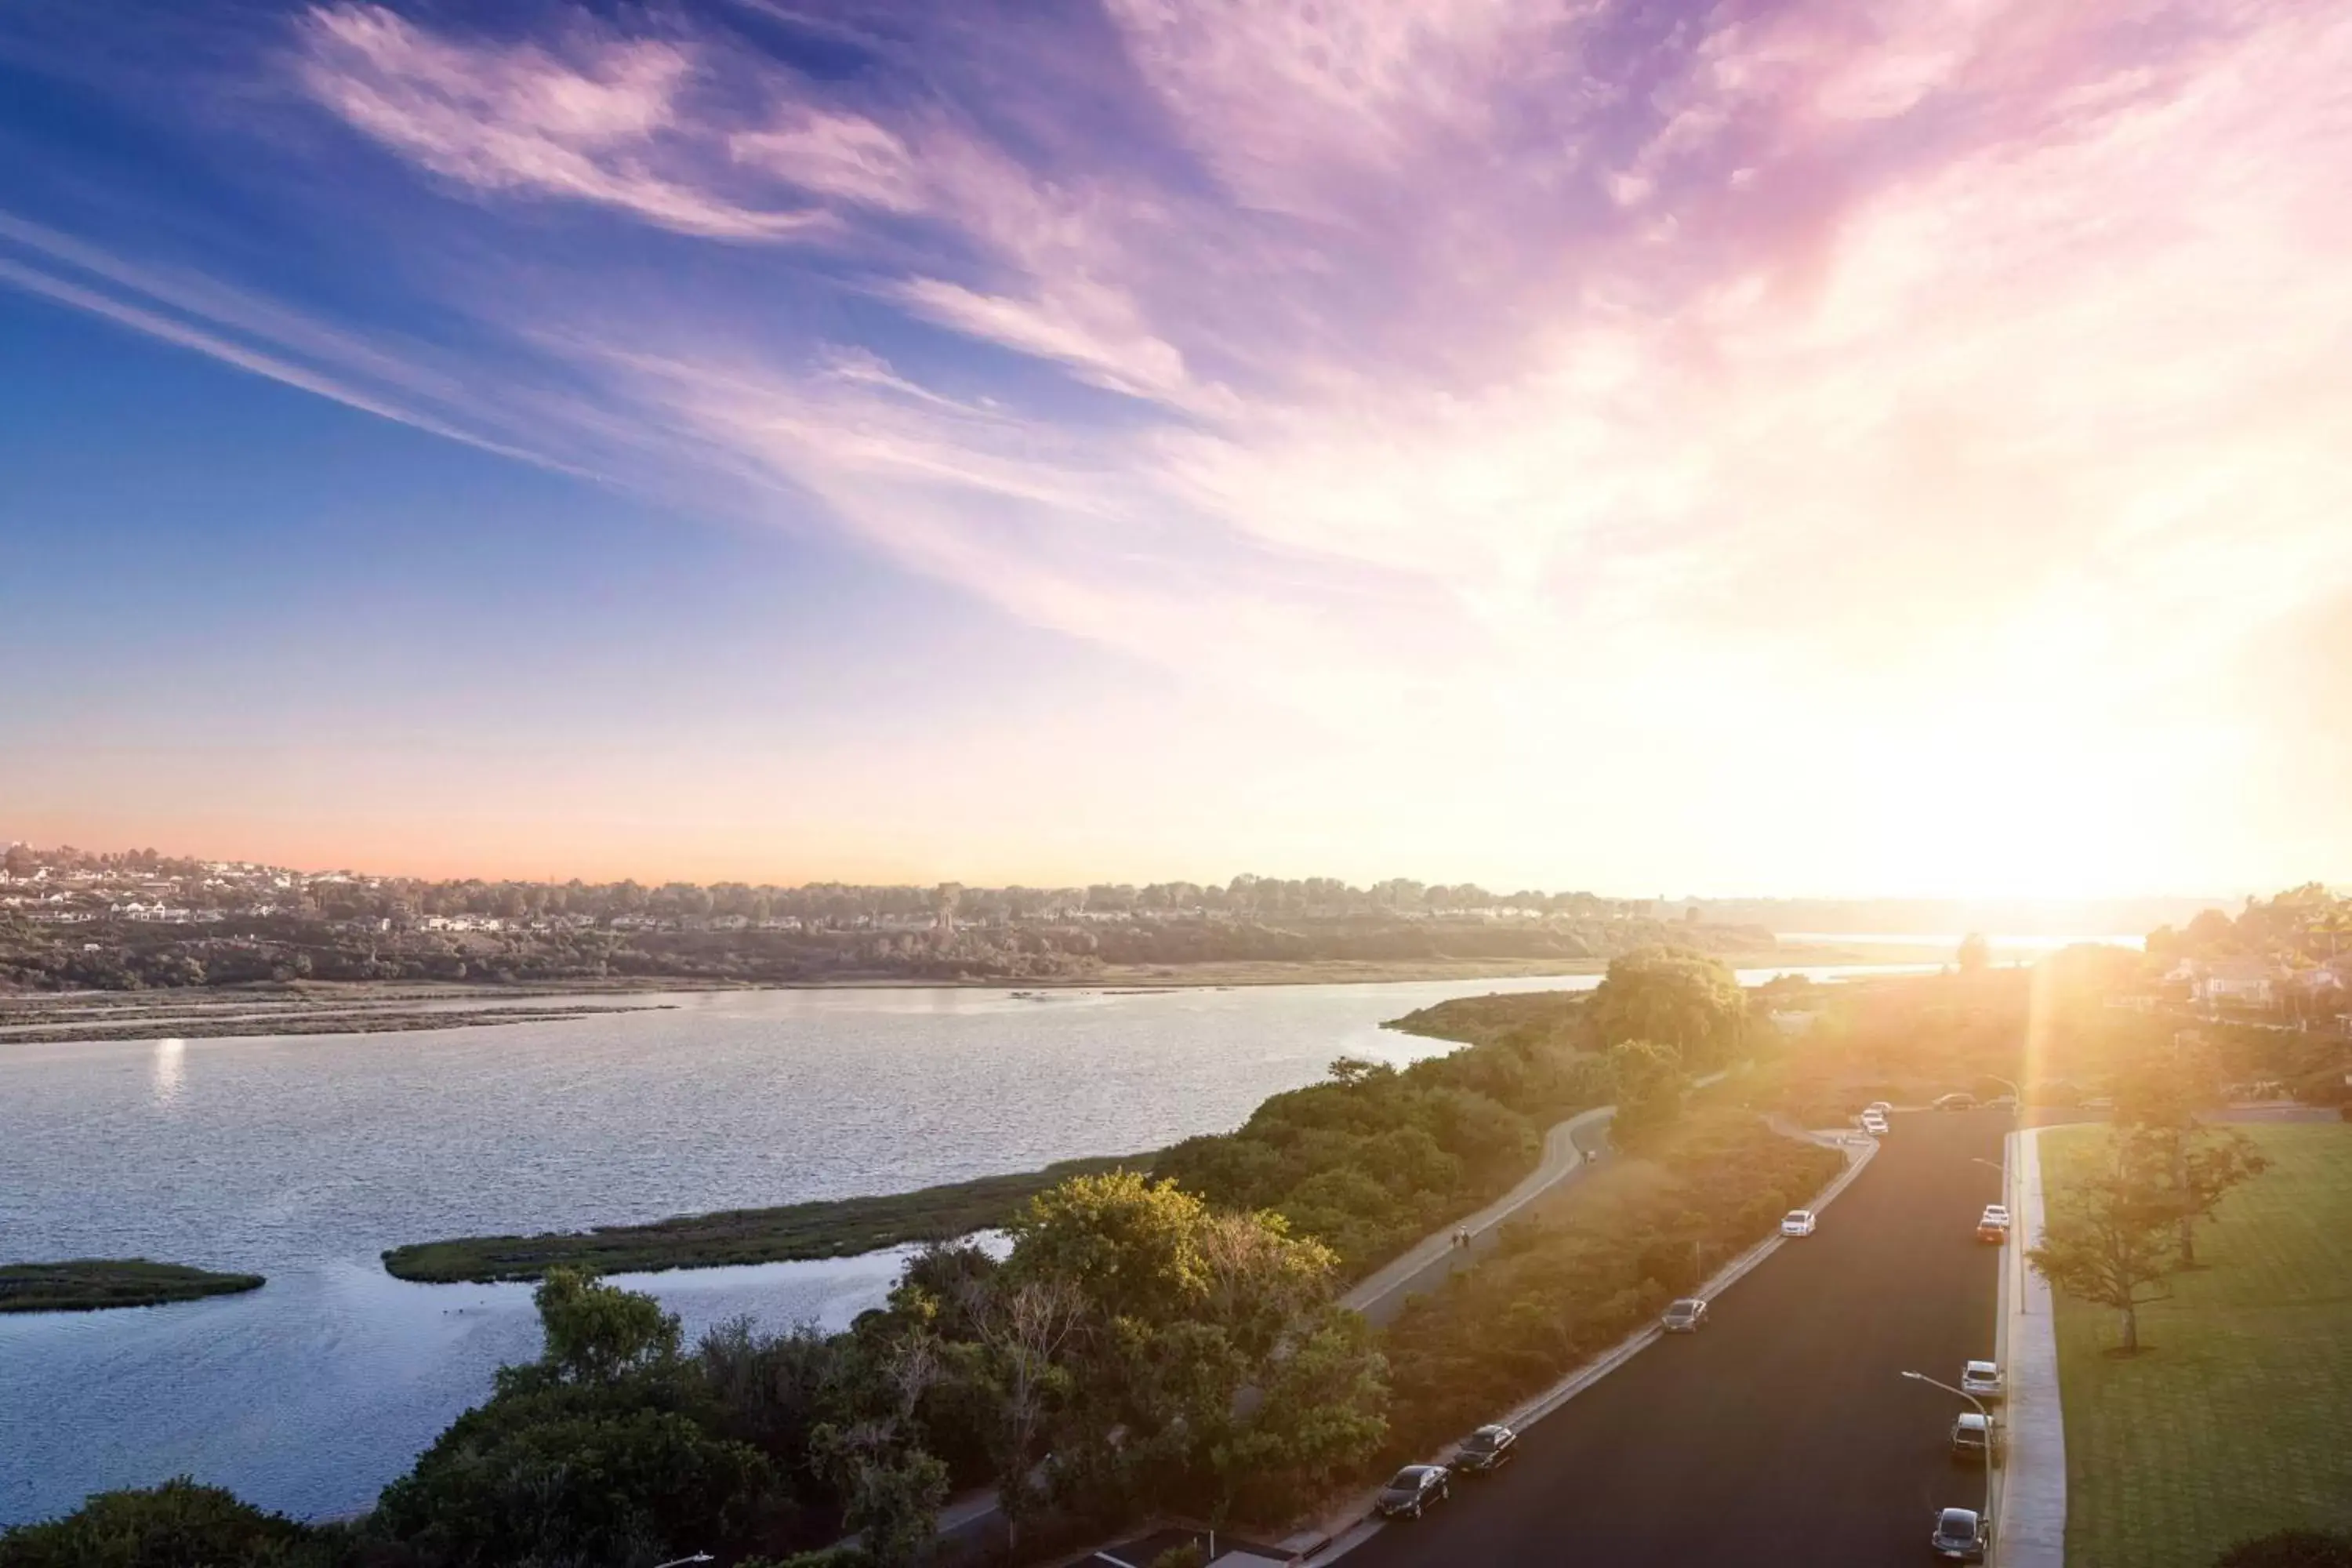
point(1882, 447)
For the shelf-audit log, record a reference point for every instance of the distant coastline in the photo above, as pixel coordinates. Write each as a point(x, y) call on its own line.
point(366, 1006)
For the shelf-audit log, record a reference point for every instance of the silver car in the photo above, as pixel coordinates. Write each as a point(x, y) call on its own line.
point(1981, 1378)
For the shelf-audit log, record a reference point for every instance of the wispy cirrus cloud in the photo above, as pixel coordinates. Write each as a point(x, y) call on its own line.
point(1616, 354)
point(593, 119)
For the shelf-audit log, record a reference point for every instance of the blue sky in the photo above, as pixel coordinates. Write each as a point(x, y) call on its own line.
point(1772, 447)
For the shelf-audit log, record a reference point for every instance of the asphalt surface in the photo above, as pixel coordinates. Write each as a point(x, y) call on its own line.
point(1783, 1432)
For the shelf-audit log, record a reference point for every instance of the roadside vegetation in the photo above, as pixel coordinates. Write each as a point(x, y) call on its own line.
point(1376, 1158)
point(835, 1228)
point(1592, 1267)
point(2228, 1424)
point(93, 1284)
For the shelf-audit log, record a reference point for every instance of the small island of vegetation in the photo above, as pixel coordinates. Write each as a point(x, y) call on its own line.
point(838, 1228)
point(90, 1284)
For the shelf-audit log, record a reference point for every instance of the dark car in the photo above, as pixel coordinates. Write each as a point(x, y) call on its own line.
point(1960, 1535)
point(1486, 1450)
point(1688, 1316)
point(1411, 1490)
point(1955, 1102)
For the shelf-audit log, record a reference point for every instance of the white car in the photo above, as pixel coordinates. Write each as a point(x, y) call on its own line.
point(1996, 1213)
point(1877, 1108)
point(1981, 1378)
point(1798, 1222)
point(1874, 1124)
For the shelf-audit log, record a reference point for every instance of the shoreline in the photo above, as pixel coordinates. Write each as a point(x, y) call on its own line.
point(361, 1007)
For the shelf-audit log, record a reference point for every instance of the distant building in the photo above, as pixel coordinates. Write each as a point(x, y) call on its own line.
point(2235, 983)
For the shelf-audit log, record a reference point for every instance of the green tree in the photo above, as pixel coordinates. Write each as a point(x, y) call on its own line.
point(1322, 1414)
point(2108, 1241)
point(175, 1525)
point(1129, 1246)
point(1684, 999)
point(570, 1473)
point(894, 1506)
point(1025, 1333)
point(600, 1334)
point(1650, 1085)
point(2184, 1165)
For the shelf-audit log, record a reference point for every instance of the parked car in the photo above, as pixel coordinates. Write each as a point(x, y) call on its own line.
point(1993, 1224)
point(1412, 1491)
point(1487, 1449)
point(1961, 1535)
point(1971, 1436)
point(1955, 1102)
point(1981, 1378)
point(1874, 1124)
point(1798, 1222)
point(1878, 1107)
point(1688, 1316)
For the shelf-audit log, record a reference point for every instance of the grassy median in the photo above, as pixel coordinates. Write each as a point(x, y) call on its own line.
point(2230, 1423)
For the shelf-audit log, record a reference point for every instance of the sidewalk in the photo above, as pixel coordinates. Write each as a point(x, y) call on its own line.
point(2029, 1515)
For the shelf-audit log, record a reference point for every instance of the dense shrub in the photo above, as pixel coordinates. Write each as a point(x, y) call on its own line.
point(177, 1525)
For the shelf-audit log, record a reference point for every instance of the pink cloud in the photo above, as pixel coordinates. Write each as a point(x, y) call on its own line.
point(598, 124)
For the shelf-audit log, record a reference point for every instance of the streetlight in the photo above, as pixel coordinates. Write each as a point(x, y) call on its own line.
point(706, 1557)
point(1972, 1399)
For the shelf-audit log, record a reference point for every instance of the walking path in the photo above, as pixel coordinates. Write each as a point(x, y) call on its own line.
point(1438, 1256)
point(1435, 1259)
point(2030, 1519)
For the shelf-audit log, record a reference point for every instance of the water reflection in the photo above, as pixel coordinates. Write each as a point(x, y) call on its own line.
point(168, 1074)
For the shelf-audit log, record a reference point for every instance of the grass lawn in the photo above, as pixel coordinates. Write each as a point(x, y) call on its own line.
point(2236, 1419)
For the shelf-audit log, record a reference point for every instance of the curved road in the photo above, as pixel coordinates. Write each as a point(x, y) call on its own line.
point(1782, 1432)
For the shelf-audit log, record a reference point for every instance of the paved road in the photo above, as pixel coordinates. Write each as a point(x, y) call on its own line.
point(1781, 1434)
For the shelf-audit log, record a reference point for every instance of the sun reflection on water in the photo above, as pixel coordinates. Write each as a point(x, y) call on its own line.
point(168, 1074)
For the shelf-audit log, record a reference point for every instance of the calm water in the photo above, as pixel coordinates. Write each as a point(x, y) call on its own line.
point(301, 1158)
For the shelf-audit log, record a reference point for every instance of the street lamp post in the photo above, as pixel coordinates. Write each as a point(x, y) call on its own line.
point(1972, 1399)
point(682, 1561)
